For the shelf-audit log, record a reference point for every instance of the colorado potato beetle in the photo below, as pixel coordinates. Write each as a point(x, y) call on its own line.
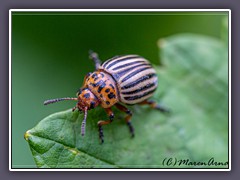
point(127, 79)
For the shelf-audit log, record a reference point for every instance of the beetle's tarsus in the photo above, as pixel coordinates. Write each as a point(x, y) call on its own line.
point(163, 109)
point(131, 129)
point(73, 109)
point(156, 106)
point(101, 134)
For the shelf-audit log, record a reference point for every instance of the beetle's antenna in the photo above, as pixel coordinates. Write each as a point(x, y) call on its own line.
point(84, 122)
point(50, 101)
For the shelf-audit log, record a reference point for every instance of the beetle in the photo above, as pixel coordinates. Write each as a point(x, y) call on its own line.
point(126, 79)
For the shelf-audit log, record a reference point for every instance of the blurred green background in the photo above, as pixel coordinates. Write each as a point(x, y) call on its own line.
point(50, 56)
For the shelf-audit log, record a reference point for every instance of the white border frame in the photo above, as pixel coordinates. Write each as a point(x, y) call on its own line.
point(119, 10)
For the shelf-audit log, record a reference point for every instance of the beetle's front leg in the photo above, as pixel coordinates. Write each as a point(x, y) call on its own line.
point(127, 118)
point(101, 123)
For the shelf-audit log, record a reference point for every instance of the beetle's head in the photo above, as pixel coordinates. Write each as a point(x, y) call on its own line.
point(86, 101)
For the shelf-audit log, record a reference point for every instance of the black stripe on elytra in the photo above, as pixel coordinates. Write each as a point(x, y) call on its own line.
point(108, 61)
point(128, 64)
point(139, 80)
point(148, 86)
point(101, 87)
point(135, 72)
point(120, 60)
point(130, 98)
point(121, 73)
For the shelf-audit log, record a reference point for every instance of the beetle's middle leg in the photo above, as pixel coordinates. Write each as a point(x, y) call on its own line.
point(94, 57)
point(127, 118)
point(101, 123)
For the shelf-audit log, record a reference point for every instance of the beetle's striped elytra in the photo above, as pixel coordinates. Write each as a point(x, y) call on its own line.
point(134, 76)
point(127, 79)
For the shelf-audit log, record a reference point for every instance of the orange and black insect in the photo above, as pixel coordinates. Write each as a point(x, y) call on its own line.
point(128, 79)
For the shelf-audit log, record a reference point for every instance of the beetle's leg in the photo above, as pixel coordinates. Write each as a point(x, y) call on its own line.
point(94, 57)
point(74, 108)
point(154, 105)
point(127, 118)
point(101, 123)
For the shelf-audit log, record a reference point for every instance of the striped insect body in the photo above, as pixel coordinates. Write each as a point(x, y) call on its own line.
point(135, 77)
point(128, 79)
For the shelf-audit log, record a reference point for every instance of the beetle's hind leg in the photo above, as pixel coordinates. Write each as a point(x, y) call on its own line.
point(94, 57)
point(127, 118)
point(101, 123)
point(154, 105)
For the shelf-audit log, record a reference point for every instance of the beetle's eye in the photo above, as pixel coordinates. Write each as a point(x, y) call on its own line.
point(79, 92)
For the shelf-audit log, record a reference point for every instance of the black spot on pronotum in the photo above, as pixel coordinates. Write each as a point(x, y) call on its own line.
point(107, 102)
point(101, 95)
point(102, 74)
point(97, 84)
point(101, 87)
point(87, 95)
point(111, 86)
point(94, 75)
point(107, 90)
point(111, 95)
point(88, 74)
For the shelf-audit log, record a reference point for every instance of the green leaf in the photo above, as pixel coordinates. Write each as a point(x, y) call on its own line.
point(195, 78)
point(224, 30)
point(192, 83)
